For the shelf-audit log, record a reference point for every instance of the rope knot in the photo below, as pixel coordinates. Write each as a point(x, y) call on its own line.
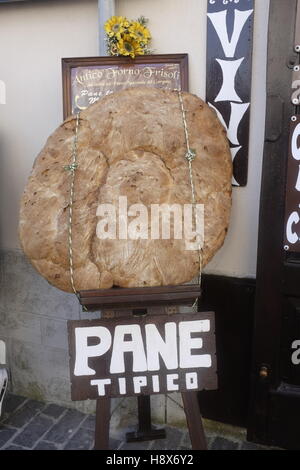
point(71, 167)
point(190, 155)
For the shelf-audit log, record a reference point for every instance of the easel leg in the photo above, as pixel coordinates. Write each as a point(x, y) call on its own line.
point(102, 424)
point(194, 420)
point(144, 414)
point(145, 430)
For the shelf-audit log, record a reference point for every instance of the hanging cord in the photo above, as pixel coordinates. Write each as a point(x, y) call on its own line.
point(190, 157)
point(72, 169)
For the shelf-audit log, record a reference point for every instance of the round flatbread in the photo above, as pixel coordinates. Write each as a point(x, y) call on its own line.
point(131, 144)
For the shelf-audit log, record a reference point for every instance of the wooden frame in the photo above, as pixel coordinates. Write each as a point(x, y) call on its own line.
point(104, 75)
point(140, 296)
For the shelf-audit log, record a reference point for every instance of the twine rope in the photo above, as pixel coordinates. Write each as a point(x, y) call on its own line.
point(190, 157)
point(72, 169)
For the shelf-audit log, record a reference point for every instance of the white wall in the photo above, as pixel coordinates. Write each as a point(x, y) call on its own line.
point(33, 38)
point(176, 26)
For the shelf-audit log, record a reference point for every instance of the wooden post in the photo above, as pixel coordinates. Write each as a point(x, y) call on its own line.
point(194, 420)
point(145, 431)
point(106, 9)
point(102, 424)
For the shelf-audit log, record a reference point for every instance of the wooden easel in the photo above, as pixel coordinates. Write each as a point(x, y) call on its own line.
point(117, 303)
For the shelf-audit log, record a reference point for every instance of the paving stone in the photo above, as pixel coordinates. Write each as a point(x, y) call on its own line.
point(24, 414)
point(186, 441)
point(220, 443)
point(83, 439)
point(209, 441)
point(250, 446)
point(136, 445)
point(43, 445)
point(89, 422)
point(33, 431)
point(114, 444)
point(55, 411)
point(12, 447)
point(32, 424)
point(12, 402)
point(186, 446)
point(6, 434)
point(65, 427)
point(172, 441)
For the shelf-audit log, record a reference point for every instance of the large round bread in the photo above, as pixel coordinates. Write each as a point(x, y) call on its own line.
point(130, 143)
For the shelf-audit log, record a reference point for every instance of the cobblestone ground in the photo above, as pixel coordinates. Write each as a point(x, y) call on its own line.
point(28, 424)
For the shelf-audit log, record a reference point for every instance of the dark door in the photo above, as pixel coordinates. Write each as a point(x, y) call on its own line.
point(275, 402)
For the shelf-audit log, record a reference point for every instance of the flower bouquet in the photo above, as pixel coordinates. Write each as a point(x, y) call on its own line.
point(127, 38)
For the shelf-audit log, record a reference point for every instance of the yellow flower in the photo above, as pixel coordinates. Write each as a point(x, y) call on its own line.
point(115, 26)
point(129, 46)
point(139, 32)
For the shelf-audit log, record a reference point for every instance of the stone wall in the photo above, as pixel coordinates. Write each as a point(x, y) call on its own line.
point(33, 323)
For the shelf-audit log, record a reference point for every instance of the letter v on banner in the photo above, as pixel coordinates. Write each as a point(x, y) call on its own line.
point(229, 66)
